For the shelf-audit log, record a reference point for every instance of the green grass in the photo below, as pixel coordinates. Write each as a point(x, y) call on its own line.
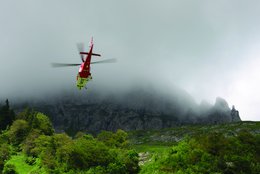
point(150, 148)
point(22, 167)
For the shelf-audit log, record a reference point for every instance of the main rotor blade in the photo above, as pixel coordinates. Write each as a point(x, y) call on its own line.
point(105, 61)
point(80, 47)
point(56, 65)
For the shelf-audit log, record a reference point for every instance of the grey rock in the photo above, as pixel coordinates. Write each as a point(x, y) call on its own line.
point(235, 115)
point(137, 109)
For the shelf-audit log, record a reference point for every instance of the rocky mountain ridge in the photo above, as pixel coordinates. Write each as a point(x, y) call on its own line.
point(138, 109)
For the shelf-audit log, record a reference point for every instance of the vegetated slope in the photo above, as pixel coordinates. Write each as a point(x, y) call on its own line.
point(29, 144)
point(171, 136)
point(226, 148)
point(136, 109)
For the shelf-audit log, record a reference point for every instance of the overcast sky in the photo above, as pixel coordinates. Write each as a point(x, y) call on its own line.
point(208, 48)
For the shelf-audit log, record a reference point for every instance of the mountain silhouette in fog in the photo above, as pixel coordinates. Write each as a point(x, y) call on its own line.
point(135, 109)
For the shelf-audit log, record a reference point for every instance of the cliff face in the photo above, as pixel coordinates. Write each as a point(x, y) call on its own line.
point(220, 112)
point(135, 110)
point(235, 115)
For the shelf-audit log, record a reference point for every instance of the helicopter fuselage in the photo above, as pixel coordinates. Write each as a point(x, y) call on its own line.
point(84, 74)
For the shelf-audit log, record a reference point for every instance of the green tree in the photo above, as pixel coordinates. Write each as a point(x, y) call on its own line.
point(18, 131)
point(96, 170)
point(42, 144)
point(29, 144)
point(42, 123)
point(121, 138)
point(27, 114)
point(79, 135)
point(131, 162)
point(89, 153)
point(9, 169)
point(7, 115)
point(107, 137)
point(62, 143)
point(118, 139)
point(4, 155)
point(37, 120)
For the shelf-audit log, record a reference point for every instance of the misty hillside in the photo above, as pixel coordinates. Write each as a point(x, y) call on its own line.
point(135, 109)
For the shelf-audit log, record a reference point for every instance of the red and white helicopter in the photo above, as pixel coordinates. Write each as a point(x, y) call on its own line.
point(84, 74)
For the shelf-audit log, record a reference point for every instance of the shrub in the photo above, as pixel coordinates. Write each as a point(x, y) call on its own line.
point(30, 160)
point(9, 169)
point(4, 154)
